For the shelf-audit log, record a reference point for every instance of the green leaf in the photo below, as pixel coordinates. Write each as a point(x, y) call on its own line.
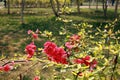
point(68, 79)
point(91, 78)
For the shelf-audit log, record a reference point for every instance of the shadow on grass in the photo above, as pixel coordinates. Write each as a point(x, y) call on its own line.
point(94, 14)
point(49, 24)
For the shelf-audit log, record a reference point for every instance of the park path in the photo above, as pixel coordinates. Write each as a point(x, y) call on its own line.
point(98, 7)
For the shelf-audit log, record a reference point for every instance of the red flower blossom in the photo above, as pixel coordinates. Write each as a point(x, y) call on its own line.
point(55, 53)
point(60, 56)
point(36, 78)
point(35, 36)
point(30, 50)
point(83, 61)
point(7, 68)
point(48, 43)
point(79, 61)
point(87, 63)
point(12, 63)
point(49, 48)
point(93, 64)
point(29, 31)
point(75, 38)
point(68, 45)
point(86, 60)
point(73, 42)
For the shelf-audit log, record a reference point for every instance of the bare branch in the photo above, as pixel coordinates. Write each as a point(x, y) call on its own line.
point(15, 61)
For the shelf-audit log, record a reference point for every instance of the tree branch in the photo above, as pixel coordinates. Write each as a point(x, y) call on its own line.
point(115, 64)
point(15, 61)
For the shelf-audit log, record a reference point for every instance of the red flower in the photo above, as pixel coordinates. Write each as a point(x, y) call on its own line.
point(86, 60)
point(93, 64)
point(48, 43)
point(7, 68)
point(12, 63)
point(68, 45)
point(49, 48)
point(79, 61)
point(73, 42)
point(86, 63)
point(83, 61)
point(55, 53)
point(36, 78)
point(30, 50)
point(60, 56)
point(75, 38)
point(29, 32)
point(35, 36)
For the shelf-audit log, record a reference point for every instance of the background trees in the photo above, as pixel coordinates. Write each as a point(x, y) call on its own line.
point(55, 7)
point(116, 8)
point(8, 3)
point(58, 5)
point(78, 5)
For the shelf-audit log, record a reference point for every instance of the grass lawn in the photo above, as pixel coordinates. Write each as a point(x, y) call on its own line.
point(13, 35)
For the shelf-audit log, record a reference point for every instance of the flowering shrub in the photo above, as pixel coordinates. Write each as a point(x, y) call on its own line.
point(7, 67)
point(55, 53)
point(34, 35)
point(89, 54)
point(73, 41)
point(30, 50)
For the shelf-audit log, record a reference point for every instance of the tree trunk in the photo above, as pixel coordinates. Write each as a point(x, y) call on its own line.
point(105, 8)
point(116, 8)
point(22, 11)
point(64, 3)
point(113, 1)
point(89, 3)
point(78, 6)
point(96, 4)
point(55, 9)
point(5, 2)
point(71, 2)
point(8, 6)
